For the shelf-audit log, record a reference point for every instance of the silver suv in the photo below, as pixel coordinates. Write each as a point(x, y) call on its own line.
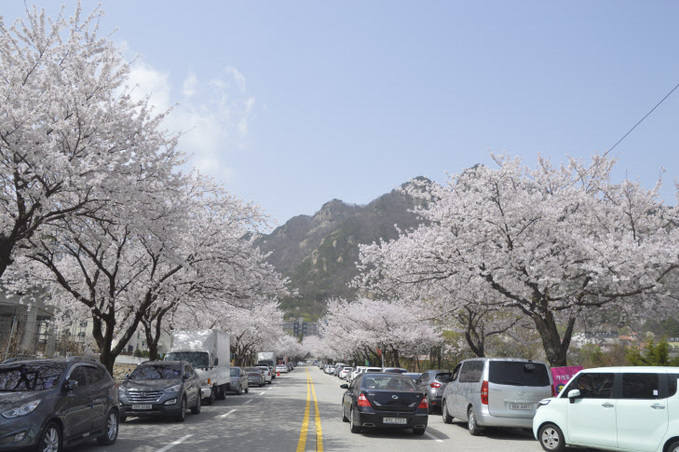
point(496, 392)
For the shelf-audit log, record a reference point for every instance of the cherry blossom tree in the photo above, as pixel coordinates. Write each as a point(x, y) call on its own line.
point(362, 327)
point(551, 243)
point(69, 131)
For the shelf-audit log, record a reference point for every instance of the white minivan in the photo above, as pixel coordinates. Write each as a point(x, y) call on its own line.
point(613, 408)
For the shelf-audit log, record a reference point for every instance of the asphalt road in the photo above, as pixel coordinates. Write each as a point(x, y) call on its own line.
point(299, 412)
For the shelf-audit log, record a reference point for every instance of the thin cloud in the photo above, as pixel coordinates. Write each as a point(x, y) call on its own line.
point(213, 115)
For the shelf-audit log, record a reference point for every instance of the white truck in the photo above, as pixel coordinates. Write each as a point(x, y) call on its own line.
point(269, 359)
point(209, 353)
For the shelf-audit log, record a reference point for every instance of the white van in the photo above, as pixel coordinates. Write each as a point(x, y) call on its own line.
point(495, 392)
point(613, 408)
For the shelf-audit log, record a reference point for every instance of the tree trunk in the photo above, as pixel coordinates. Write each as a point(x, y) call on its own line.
point(555, 347)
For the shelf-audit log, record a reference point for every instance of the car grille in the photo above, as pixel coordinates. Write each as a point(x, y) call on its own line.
point(143, 396)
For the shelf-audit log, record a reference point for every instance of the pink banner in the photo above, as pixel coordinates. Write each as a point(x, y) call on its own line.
point(561, 376)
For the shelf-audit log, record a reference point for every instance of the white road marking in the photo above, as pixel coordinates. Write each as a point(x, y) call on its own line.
point(174, 443)
point(248, 401)
point(430, 436)
point(222, 416)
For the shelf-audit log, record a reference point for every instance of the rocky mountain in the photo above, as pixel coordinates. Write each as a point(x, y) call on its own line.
point(319, 253)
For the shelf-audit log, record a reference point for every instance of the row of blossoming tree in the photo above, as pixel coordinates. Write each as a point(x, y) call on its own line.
point(94, 206)
point(552, 245)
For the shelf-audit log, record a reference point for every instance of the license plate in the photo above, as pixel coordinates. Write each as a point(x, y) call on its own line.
point(520, 406)
point(394, 420)
point(142, 407)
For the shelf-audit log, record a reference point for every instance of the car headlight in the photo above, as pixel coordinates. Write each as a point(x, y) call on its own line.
point(23, 410)
point(543, 402)
point(174, 388)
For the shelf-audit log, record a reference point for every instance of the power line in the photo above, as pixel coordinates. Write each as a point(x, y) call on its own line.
point(642, 119)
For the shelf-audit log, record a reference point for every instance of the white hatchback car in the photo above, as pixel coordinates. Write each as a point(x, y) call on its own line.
point(613, 408)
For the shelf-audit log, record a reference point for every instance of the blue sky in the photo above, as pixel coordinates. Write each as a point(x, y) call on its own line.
point(292, 104)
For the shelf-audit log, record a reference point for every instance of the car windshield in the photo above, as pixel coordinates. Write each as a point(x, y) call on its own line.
point(235, 372)
point(388, 382)
point(30, 377)
point(199, 360)
point(156, 372)
point(518, 373)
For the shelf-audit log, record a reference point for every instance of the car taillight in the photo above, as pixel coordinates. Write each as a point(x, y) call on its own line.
point(484, 392)
point(435, 384)
point(424, 404)
point(362, 400)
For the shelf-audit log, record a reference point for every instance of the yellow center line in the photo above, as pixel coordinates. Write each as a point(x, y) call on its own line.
point(319, 432)
point(301, 444)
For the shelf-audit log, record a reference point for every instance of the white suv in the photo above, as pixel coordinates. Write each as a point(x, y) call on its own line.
point(613, 408)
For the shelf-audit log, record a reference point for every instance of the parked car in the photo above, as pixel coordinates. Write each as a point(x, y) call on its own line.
point(266, 373)
point(495, 392)
point(255, 376)
point(282, 368)
point(345, 372)
point(613, 408)
point(330, 370)
point(239, 381)
point(363, 369)
point(433, 383)
point(379, 400)
point(50, 403)
point(160, 388)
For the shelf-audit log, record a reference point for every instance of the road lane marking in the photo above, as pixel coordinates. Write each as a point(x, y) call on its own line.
point(222, 416)
point(248, 401)
point(430, 436)
point(262, 393)
point(301, 444)
point(319, 431)
point(174, 443)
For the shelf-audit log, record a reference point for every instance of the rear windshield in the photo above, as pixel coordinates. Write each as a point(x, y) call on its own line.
point(388, 382)
point(517, 373)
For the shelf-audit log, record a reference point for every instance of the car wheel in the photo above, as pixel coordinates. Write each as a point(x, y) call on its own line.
point(674, 447)
point(430, 407)
point(210, 400)
point(221, 393)
point(50, 439)
point(240, 390)
point(352, 425)
point(247, 389)
point(344, 413)
point(447, 418)
point(111, 430)
point(419, 431)
point(196, 409)
point(551, 438)
point(472, 424)
point(181, 416)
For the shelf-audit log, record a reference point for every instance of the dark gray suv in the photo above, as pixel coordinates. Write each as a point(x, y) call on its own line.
point(165, 388)
point(48, 403)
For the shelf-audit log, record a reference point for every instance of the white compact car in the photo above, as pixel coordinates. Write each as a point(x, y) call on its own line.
point(613, 408)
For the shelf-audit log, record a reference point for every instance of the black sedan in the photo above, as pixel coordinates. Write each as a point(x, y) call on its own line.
point(382, 400)
point(165, 388)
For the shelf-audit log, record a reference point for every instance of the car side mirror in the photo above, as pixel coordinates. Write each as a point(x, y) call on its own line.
point(574, 394)
point(70, 385)
point(344, 386)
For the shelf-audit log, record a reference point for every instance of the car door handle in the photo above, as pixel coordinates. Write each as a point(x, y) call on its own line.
point(607, 405)
point(657, 406)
